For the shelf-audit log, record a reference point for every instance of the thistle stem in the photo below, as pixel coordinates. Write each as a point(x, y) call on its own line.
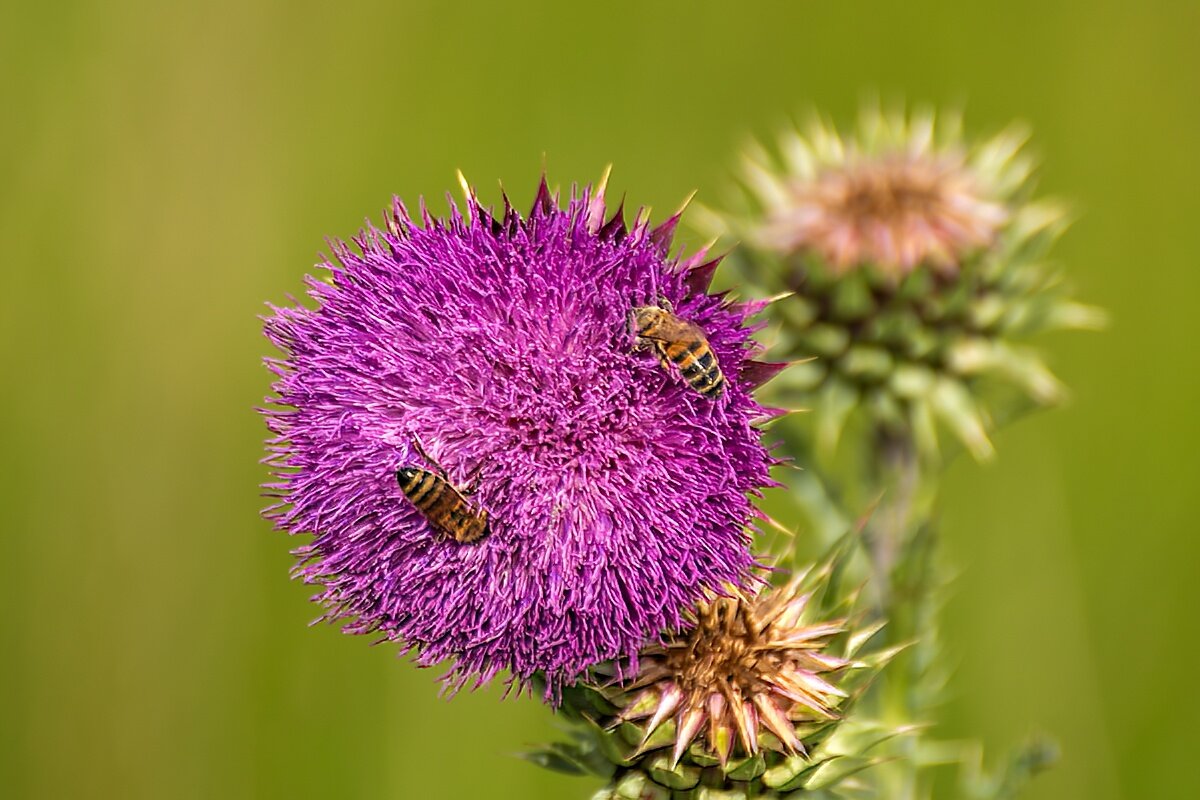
point(897, 474)
point(901, 543)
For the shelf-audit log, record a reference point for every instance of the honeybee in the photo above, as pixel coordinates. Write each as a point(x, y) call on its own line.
point(682, 343)
point(445, 507)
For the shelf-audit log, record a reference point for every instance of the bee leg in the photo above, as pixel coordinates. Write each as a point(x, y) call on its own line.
point(472, 481)
point(427, 457)
point(665, 305)
point(660, 350)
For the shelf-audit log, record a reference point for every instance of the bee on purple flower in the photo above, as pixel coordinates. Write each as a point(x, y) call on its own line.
point(615, 494)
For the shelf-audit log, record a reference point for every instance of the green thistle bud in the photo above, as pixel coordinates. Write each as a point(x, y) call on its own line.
point(914, 264)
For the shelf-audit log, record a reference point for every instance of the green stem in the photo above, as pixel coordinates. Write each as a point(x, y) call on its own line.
point(901, 542)
point(897, 475)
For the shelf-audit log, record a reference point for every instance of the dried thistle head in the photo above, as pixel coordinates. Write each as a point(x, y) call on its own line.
point(755, 698)
point(751, 663)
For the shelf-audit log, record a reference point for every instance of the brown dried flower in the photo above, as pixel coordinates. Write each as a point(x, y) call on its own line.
point(750, 664)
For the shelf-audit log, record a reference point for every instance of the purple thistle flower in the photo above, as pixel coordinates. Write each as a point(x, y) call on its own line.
point(502, 347)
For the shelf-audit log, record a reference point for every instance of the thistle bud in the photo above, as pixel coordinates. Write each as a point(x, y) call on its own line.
point(751, 700)
point(907, 251)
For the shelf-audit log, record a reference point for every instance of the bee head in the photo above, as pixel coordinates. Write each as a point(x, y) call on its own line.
point(645, 318)
point(406, 474)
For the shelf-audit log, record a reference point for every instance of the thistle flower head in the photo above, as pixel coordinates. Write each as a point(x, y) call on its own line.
point(917, 263)
point(889, 196)
point(750, 663)
point(497, 351)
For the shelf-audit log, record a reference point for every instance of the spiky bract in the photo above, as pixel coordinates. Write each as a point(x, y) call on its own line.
point(897, 193)
point(752, 699)
point(747, 665)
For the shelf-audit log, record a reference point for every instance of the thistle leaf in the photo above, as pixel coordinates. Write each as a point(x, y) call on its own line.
point(835, 770)
point(554, 761)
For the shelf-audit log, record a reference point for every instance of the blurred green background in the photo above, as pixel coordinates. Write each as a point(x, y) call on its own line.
point(167, 167)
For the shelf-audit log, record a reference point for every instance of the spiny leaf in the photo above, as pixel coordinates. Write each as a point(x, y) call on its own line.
point(835, 770)
point(554, 761)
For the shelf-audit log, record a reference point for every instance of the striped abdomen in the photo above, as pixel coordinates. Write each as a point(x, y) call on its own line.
point(681, 343)
point(443, 505)
point(697, 364)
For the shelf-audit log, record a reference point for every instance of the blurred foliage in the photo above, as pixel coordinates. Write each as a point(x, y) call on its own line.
point(165, 168)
